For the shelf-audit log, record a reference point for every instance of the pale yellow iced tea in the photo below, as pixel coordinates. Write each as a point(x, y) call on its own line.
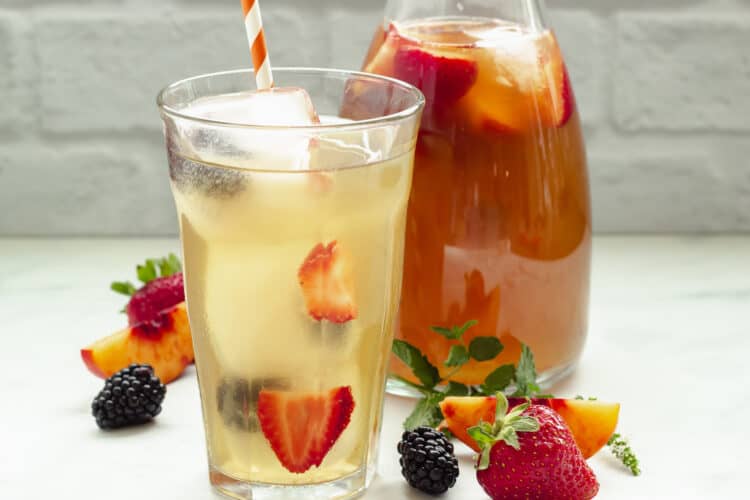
point(246, 236)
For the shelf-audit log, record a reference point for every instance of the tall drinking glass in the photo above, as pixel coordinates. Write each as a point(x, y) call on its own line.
point(293, 242)
point(499, 220)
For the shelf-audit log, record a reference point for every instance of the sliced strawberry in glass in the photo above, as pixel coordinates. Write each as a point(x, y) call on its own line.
point(303, 427)
point(327, 285)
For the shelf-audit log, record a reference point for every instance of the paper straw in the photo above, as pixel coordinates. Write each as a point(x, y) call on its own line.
point(257, 40)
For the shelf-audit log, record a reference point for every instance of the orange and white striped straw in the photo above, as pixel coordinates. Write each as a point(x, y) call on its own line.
point(257, 40)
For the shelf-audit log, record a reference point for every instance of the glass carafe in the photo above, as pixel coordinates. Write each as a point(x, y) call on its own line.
point(499, 219)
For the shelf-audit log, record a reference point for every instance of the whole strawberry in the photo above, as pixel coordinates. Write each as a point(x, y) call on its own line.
point(155, 296)
point(530, 453)
point(162, 288)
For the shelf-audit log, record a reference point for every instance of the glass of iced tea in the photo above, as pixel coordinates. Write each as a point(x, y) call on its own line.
point(499, 220)
point(292, 213)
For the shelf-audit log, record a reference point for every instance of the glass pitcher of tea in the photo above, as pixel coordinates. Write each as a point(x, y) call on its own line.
point(499, 218)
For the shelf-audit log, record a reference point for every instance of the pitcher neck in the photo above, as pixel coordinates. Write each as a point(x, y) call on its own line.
point(527, 13)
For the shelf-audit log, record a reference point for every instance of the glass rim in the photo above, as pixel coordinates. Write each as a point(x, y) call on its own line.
point(369, 122)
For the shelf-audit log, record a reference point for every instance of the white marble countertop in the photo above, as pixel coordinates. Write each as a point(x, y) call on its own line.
point(669, 339)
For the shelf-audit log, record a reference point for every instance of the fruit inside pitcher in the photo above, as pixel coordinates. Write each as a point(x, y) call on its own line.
point(498, 224)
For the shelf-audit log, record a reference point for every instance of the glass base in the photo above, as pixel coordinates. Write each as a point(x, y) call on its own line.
point(546, 380)
point(351, 486)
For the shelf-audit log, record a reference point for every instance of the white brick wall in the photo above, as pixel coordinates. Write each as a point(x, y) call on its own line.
point(663, 86)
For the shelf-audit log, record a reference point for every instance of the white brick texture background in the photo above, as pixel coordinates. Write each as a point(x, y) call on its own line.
point(663, 87)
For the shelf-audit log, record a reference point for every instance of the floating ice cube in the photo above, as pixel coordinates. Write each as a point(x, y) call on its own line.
point(257, 148)
point(281, 106)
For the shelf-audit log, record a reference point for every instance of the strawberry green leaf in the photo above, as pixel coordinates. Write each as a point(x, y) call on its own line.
point(509, 435)
point(169, 265)
point(501, 406)
point(426, 412)
point(499, 379)
point(458, 356)
point(526, 424)
point(485, 348)
point(481, 435)
point(147, 272)
point(485, 440)
point(123, 287)
point(418, 362)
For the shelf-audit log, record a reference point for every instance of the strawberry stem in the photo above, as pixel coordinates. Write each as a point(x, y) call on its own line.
point(506, 427)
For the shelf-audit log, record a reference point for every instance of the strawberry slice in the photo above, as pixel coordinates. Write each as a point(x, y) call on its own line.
point(558, 103)
point(327, 286)
point(443, 80)
point(303, 427)
point(556, 100)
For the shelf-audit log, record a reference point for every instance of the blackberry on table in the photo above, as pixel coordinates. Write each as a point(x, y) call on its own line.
point(132, 396)
point(427, 460)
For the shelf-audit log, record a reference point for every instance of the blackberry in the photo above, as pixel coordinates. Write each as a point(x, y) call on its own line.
point(427, 460)
point(132, 396)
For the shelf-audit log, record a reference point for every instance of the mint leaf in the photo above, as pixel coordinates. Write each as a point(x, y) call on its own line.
point(462, 329)
point(426, 412)
point(454, 333)
point(418, 362)
point(499, 379)
point(123, 287)
point(485, 348)
point(458, 356)
point(147, 271)
point(448, 333)
point(526, 374)
point(456, 389)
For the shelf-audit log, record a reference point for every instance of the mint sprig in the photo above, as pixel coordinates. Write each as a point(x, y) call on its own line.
point(621, 449)
point(418, 362)
point(481, 349)
point(523, 376)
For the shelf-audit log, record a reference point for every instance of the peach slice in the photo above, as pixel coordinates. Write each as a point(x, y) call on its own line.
point(592, 423)
point(462, 412)
point(165, 344)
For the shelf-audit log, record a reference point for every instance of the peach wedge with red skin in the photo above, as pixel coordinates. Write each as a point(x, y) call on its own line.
point(165, 344)
point(592, 423)
point(461, 413)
